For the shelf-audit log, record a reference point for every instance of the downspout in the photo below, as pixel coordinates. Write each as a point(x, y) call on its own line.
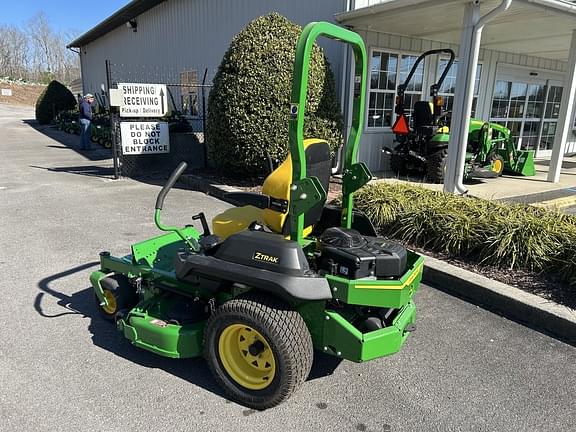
point(80, 57)
point(458, 185)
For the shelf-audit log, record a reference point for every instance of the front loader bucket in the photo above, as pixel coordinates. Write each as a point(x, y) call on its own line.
point(522, 165)
point(525, 163)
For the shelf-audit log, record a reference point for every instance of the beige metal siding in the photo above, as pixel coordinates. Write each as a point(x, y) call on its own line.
point(180, 34)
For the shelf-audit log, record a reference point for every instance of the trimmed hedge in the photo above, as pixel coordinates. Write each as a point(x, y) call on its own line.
point(55, 98)
point(516, 236)
point(250, 98)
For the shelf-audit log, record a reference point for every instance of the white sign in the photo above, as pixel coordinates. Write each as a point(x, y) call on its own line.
point(6, 92)
point(144, 138)
point(143, 100)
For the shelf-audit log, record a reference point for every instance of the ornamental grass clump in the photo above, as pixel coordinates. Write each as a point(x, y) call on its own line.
point(514, 236)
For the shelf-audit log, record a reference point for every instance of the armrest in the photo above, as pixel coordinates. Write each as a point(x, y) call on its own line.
point(258, 200)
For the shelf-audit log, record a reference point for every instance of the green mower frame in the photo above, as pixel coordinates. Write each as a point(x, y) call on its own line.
point(258, 339)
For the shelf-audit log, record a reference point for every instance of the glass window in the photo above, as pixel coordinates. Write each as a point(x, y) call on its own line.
point(553, 102)
point(548, 134)
point(387, 71)
point(448, 87)
point(500, 100)
point(517, 100)
point(536, 95)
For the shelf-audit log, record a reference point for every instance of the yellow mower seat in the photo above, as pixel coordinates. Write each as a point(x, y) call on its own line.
point(277, 185)
point(235, 219)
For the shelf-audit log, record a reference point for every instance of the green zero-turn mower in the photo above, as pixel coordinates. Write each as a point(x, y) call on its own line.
point(424, 146)
point(278, 277)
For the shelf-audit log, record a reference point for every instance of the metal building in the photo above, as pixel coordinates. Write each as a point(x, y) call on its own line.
point(185, 36)
point(523, 72)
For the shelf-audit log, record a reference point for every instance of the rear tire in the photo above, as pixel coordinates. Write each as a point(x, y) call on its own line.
point(258, 349)
point(436, 166)
point(120, 295)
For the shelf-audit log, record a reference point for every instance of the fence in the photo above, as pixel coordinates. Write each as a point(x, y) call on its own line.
point(187, 97)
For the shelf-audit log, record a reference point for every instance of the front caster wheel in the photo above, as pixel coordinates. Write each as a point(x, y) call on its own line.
point(258, 349)
point(119, 294)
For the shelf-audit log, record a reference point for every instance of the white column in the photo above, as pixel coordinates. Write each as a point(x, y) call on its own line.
point(564, 120)
point(463, 96)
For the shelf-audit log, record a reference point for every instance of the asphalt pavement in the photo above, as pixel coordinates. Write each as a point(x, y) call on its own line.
point(63, 369)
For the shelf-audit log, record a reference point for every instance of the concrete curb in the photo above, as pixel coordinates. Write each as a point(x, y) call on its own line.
point(510, 302)
point(506, 300)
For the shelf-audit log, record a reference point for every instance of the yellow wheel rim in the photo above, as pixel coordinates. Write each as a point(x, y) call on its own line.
point(112, 305)
point(247, 357)
point(497, 165)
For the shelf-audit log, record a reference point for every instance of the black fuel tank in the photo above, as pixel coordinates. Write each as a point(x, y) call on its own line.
point(264, 250)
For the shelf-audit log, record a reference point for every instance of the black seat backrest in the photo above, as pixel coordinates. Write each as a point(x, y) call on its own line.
point(319, 165)
point(422, 115)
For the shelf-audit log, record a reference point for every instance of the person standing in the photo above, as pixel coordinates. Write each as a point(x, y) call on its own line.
point(85, 122)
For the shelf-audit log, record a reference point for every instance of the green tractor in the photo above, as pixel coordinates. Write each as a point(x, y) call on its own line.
point(278, 277)
point(424, 146)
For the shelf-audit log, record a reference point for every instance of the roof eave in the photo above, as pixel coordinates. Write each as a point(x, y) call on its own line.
point(118, 18)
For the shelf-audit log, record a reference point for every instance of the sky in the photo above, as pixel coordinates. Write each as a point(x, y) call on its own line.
point(78, 16)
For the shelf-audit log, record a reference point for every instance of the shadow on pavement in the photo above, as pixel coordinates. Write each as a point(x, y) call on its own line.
point(70, 141)
point(85, 170)
point(566, 164)
point(106, 170)
point(105, 335)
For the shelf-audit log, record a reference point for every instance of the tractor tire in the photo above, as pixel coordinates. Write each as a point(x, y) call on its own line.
point(436, 166)
point(398, 164)
point(120, 295)
point(497, 164)
point(258, 349)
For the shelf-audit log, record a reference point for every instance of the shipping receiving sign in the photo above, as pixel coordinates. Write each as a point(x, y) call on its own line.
point(143, 100)
point(144, 138)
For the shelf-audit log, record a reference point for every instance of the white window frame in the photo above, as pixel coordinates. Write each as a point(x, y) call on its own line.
point(457, 60)
point(399, 53)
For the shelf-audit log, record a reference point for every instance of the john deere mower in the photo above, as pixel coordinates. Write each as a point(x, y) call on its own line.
point(276, 278)
point(424, 146)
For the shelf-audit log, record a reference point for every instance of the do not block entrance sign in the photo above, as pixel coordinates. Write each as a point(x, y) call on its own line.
point(143, 100)
point(144, 138)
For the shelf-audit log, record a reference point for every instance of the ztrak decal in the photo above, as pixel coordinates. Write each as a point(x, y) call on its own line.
point(259, 256)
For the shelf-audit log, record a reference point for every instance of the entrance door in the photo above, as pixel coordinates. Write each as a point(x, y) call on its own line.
point(519, 106)
point(527, 102)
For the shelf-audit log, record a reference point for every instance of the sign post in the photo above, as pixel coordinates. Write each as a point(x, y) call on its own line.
point(113, 114)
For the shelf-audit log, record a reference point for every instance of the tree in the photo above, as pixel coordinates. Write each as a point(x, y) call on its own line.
point(55, 98)
point(13, 52)
point(250, 99)
point(37, 54)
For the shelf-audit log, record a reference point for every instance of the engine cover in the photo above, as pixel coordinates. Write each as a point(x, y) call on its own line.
point(346, 253)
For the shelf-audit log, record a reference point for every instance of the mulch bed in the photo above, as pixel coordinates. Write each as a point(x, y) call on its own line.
point(541, 285)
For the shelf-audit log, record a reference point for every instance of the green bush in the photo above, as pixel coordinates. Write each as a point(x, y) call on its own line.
point(55, 98)
point(250, 99)
point(515, 236)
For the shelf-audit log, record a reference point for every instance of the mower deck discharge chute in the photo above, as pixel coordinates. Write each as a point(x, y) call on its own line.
point(424, 146)
point(278, 277)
